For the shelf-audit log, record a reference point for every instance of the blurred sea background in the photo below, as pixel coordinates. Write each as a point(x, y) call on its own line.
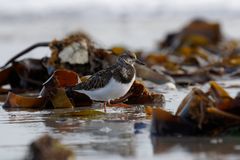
point(137, 24)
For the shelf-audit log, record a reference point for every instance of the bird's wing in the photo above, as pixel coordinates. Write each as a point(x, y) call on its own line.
point(97, 80)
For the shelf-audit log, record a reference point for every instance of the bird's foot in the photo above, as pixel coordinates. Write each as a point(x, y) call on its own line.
point(118, 105)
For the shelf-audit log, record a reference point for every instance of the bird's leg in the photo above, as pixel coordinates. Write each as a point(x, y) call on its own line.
point(113, 104)
point(108, 103)
point(104, 106)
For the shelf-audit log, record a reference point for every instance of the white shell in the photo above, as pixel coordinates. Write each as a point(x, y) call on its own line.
point(76, 53)
point(171, 86)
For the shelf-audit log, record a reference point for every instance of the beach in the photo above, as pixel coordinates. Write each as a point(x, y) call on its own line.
point(137, 26)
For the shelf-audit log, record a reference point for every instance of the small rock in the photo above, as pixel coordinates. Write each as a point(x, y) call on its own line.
point(48, 148)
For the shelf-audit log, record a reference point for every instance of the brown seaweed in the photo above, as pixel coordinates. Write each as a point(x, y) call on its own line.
point(199, 114)
point(28, 74)
point(139, 94)
point(18, 101)
point(166, 124)
point(52, 95)
point(198, 33)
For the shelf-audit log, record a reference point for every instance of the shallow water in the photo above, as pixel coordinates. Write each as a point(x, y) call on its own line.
point(119, 134)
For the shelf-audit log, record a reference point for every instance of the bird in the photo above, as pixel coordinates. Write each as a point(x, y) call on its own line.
point(111, 83)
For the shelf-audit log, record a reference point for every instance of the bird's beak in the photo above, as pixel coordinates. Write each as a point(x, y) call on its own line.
point(139, 62)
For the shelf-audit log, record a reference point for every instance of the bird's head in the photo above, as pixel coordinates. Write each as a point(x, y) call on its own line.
point(129, 58)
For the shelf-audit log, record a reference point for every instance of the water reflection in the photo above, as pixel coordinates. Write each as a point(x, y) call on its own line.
point(122, 133)
point(213, 147)
point(70, 120)
point(108, 134)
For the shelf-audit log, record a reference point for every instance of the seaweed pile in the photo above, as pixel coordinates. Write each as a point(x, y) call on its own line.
point(197, 54)
point(54, 94)
point(211, 113)
point(72, 60)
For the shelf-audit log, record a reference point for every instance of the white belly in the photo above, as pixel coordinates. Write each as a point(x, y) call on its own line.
point(113, 90)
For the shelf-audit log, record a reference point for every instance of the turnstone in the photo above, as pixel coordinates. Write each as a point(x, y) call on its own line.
point(111, 83)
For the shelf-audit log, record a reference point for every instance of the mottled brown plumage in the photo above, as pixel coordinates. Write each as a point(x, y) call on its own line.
point(123, 72)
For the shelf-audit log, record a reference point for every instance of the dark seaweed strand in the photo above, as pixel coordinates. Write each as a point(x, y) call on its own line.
point(25, 51)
